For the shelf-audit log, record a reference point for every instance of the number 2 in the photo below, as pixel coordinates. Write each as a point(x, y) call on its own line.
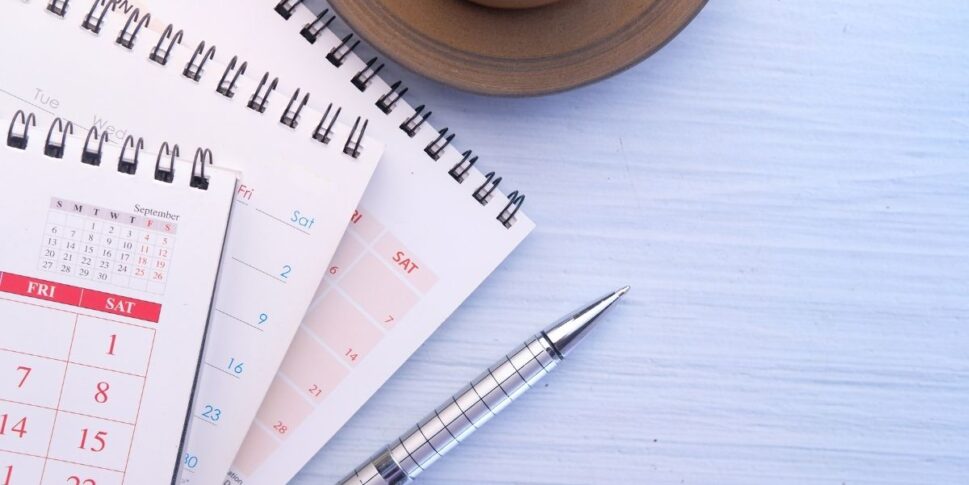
point(26, 371)
point(286, 270)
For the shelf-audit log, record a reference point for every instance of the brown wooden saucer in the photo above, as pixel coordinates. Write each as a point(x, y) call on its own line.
point(517, 52)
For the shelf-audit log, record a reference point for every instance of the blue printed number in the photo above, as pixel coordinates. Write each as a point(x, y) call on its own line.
point(286, 270)
point(190, 461)
point(211, 413)
point(263, 318)
point(235, 366)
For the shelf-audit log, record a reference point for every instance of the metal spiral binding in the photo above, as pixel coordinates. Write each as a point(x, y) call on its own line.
point(51, 148)
point(162, 174)
point(483, 194)
point(228, 90)
point(507, 215)
point(161, 56)
point(193, 71)
point(311, 31)
point(434, 148)
point(260, 99)
point(339, 53)
point(54, 148)
point(290, 117)
point(93, 157)
point(285, 7)
point(460, 170)
point(324, 135)
point(199, 180)
point(130, 166)
point(412, 124)
point(94, 24)
point(387, 102)
point(363, 78)
point(58, 7)
point(352, 147)
point(125, 38)
point(19, 141)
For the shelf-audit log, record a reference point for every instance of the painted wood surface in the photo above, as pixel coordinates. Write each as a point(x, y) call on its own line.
point(786, 188)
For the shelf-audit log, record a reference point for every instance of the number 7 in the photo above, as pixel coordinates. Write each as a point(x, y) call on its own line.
point(26, 373)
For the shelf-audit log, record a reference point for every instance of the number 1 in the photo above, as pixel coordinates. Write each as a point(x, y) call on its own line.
point(6, 480)
point(26, 373)
point(114, 340)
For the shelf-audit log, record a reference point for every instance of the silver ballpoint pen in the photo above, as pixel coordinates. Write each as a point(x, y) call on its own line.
point(402, 460)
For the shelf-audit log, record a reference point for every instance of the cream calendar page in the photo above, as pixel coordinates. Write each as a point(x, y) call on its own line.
point(105, 285)
point(291, 208)
point(419, 244)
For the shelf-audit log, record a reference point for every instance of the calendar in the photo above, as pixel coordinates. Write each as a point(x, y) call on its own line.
point(101, 321)
point(69, 402)
point(439, 226)
point(346, 323)
point(108, 245)
point(301, 175)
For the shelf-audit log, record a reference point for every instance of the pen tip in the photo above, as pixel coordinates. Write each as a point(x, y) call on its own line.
point(622, 291)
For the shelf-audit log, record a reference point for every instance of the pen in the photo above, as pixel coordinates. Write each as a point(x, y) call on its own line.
point(402, 460)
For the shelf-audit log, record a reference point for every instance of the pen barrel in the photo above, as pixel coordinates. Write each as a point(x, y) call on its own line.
point(459, 416)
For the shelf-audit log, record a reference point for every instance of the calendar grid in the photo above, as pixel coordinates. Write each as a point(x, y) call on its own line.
point(80, 390)
point(60, 396)
point(98, 244)
point(357, 322)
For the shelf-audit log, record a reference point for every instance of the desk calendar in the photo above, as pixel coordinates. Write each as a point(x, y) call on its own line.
point(445, 216)
point(302, 174)
point(102, 321)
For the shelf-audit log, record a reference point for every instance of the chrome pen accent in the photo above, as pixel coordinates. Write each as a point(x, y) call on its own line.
point(479, 401)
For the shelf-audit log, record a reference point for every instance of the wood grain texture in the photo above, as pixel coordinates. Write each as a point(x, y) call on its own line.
point(786, 188)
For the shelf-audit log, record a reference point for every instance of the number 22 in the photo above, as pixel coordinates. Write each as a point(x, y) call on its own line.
point(74, 480)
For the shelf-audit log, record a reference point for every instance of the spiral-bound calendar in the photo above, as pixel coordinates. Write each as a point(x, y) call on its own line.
point(429, 229)
point(108, 263)
point(302, 173)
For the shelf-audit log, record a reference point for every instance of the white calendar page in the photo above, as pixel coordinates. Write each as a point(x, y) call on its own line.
point(290, 210)
point(106, 280)
point(419, 245)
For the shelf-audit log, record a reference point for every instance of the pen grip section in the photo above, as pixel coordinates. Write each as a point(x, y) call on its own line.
point(474, 405)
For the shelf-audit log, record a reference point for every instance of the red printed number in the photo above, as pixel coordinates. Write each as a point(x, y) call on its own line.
point(76, 480)
point(98, 439)
point(102, 395)
point(6, 479)
point(26, 371)
point(280, 427)
point(351, 355)
point(114, 340)
point(20, 427)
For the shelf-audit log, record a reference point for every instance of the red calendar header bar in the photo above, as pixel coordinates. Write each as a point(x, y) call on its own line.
point(79, 297)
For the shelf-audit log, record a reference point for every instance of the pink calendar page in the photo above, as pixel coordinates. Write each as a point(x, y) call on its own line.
point(106, 280)
point(290, 209)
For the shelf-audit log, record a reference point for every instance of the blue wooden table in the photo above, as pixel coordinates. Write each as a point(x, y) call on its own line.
point(786, 188)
